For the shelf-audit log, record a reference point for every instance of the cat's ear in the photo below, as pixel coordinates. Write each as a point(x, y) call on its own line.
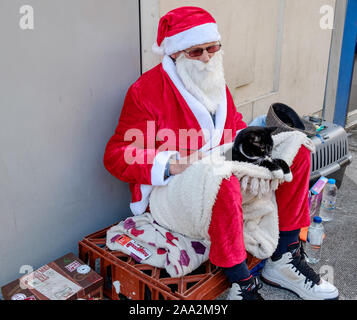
point(271, 129)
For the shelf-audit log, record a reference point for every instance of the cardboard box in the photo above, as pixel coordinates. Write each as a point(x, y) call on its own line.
point(66, 278)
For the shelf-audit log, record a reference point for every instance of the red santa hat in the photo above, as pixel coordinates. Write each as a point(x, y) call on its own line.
point(183, 28)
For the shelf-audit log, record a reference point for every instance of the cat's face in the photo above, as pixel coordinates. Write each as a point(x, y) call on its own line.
point(256, 141)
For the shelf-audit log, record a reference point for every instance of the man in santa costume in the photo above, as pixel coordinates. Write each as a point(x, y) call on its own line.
point(187, 93)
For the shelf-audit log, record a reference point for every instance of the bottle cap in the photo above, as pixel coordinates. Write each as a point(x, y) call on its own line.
point(331, 181)
point(317, 219)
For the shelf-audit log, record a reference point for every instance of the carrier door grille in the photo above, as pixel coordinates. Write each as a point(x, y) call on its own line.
point(328, 153)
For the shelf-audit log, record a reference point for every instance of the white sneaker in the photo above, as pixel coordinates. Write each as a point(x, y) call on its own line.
point(245, 290)
point(292, 272)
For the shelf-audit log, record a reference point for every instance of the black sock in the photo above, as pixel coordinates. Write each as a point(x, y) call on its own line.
point(285, 239)
point(237, 273)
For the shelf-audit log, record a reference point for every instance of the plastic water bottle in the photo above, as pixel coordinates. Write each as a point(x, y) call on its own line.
point(328, 202)
point(314, 240)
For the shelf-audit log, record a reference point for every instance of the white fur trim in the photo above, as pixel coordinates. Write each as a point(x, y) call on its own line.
point(221, 117)
point(212, 134)
point(158, 168)
point(139, 207)
point(204, 33)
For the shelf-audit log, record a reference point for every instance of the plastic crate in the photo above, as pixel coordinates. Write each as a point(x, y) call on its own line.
point(124, 278)
point(332, 154)
point(121, 279)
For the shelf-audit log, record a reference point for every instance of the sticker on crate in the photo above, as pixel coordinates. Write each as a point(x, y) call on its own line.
point(73, 266)
point(50, 283)
point(133, 247)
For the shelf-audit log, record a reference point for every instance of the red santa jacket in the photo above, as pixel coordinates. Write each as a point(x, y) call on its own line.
point(159, 119)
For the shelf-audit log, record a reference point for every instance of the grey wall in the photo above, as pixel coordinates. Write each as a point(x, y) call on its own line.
point(62, 86)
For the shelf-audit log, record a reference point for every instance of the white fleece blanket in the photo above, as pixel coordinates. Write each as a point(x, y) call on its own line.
point(176, 231)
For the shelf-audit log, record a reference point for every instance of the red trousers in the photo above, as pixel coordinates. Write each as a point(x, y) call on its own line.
point(226, 228)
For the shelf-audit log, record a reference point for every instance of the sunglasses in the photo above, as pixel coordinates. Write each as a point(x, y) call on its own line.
point(199, 51)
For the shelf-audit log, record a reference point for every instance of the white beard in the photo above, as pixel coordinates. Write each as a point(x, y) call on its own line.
point(205, 81)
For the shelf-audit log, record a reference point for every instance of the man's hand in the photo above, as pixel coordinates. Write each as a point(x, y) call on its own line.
point(179, 166)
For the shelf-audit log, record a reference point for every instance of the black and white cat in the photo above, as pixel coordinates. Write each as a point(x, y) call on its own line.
point(255, 145)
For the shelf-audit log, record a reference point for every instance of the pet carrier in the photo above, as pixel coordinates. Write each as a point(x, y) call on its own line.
point(332, 155)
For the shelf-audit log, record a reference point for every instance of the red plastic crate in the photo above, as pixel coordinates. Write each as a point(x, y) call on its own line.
point(124, 278)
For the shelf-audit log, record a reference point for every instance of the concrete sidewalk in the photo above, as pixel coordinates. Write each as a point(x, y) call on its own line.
point(339, 252)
